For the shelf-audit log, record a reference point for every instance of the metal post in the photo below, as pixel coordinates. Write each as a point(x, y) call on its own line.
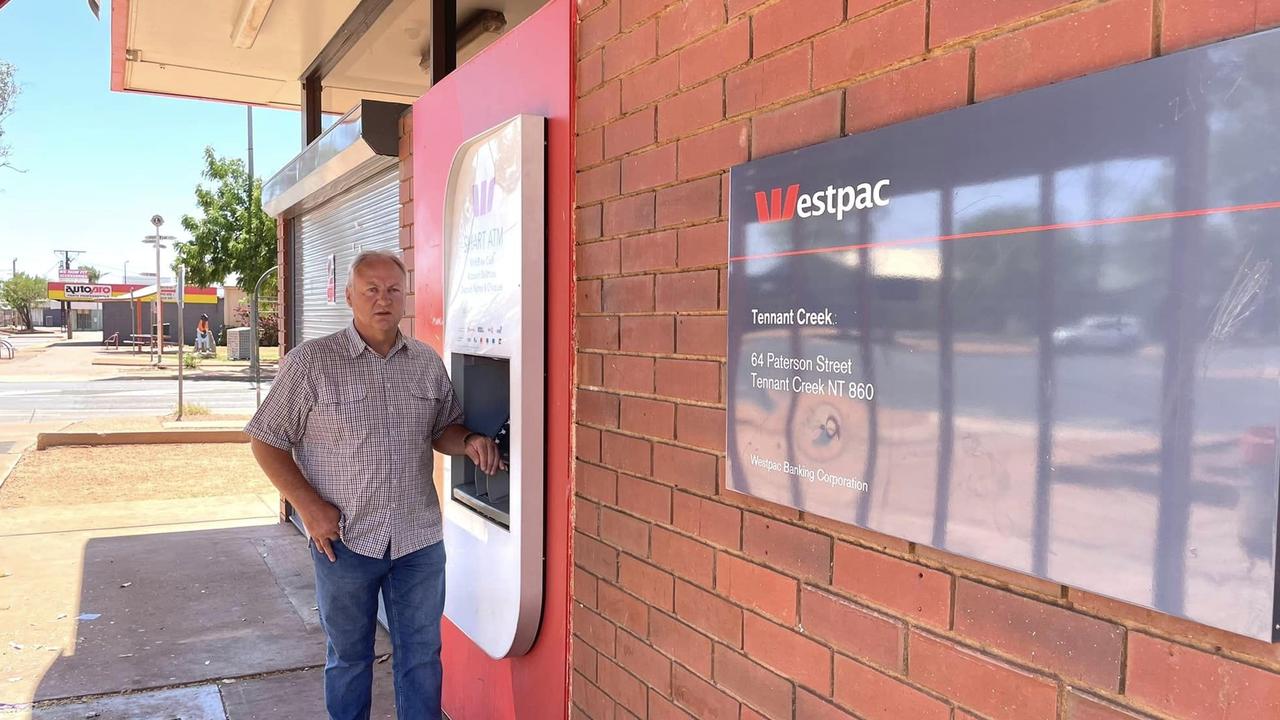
point(253, 324)
point(182, 278)
point(159, 306)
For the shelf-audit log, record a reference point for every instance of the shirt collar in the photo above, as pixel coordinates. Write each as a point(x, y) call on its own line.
point(357, 345)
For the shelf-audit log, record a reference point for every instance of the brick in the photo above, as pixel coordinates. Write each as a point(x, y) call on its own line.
point(757, 587)
point(596, 483)
point(715, 54)
point(598, 408)
point(707, 520)
point(598, 27)
point(629, 133)
point(737, 7)
point(1188, 23)
point(684, 468)
point(868, 45)
point(585, 585)
point(630, 294)
point(703, 245)
point(1194, 685)
point(798, 125)
point(687, 20)
point(594, 629)
point(591, 700)
point(1109, 35)
point(622, 687)
point(631, 49)
point(902, 587)
point(768, 81)
point(586, 443)
point(644, 662)
point(624, 532)
point(589, 150)
point(650, 584)
point(684, 644)
point(997, 690)
point(633, 11)
point(790, 21)
point(685, 557)
point(923, 89)
point(651, 82)
point(697, 290)
point(951, 20)
point(590, 73)
point(710, 614)
point(852, 629)
point(661, 708)
point(713, 151)
point(791, 654)
point(647, 333)
point(958, 565)
point(656, 251)
point(767, 692)
point(700, 697)
point(690, 111)
point(587, 223)
point(1083, 707)
point(812, 707)
point(595, 557)
point(697, 380)
point(701, 335)
point(791, 549)
point(701, 427)
point(587, 516)
point(1268, 14)
point(644, 498)
point(629, 214)
point(628, 373)
point(590, 369)
point(600, 333)
point(649, 169)
point(598, 183)
point(626, 453)
point(599, 258)
point(872, 695)
point(860, 7)
point(600, 106)
point(689, 202)
point(584, 659)
point(1066, 643)
point(626, 610)
point(588, 295)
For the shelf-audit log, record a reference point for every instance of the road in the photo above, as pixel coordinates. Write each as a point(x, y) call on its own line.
point(37, 401)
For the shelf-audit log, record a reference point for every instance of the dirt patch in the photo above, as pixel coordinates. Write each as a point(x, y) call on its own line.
point(144, 423)
point(79, 475)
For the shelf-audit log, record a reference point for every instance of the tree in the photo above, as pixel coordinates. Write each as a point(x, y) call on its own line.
point(94, 273)
point(22, 292)
point(234, 236)
point(9, 90)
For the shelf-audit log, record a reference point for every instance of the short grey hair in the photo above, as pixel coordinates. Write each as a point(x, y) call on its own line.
point(372, 256)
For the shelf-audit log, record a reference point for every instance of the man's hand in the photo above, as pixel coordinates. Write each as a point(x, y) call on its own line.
point(321, 520)
point(483, 451)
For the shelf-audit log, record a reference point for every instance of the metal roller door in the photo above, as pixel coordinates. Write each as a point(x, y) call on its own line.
point(367, 217)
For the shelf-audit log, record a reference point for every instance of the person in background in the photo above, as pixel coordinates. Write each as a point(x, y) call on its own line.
point(204, 336)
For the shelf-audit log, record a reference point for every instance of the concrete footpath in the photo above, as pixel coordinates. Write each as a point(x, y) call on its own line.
point(193, 608)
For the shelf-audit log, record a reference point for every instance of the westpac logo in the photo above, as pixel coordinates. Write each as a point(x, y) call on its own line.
point(482, 197)
point(779, 204)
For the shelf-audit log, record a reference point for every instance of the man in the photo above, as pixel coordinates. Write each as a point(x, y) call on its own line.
point(204, 338)
point(346, 435)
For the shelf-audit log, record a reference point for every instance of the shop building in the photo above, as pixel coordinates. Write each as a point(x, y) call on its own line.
point(665, 592)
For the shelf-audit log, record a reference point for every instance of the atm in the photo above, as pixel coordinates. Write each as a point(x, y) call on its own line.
point(494, 250)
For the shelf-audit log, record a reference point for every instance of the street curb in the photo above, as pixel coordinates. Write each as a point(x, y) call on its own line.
point(151, 437)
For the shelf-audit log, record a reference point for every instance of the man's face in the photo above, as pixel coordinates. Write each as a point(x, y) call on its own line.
point(376, 295)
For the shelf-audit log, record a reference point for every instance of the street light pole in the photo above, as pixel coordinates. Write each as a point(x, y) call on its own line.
point(158, 241)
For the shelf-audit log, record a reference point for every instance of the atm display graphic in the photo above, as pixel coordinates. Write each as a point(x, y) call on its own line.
point(1042, 331)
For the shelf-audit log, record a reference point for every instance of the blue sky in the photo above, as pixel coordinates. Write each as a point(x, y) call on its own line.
point(99, 164)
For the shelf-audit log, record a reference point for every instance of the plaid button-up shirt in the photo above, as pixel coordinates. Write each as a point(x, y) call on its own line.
point(360, 427)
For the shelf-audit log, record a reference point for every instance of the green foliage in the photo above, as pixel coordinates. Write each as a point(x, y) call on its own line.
point(94, 273)
point(22, 292)
point(224, 241)
point(190, 361)
point(9, 90)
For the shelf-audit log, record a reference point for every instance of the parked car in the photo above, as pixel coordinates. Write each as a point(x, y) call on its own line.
point(1100, 333)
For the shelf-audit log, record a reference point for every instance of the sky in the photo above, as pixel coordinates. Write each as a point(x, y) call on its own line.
point(98, 164)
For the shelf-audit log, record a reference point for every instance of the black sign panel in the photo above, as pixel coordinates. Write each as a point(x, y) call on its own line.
point(1041, 331)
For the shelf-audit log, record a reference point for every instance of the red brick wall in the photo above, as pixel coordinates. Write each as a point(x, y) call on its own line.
point(691, 601)
point(406, 216)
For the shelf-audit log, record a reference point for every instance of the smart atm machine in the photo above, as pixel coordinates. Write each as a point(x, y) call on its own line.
point(494, 242)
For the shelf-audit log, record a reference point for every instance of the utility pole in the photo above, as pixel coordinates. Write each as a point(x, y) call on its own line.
point(158, 241)
point(252, 207)
point(66, 304)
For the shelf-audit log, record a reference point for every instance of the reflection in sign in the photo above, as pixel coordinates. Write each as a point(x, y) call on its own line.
point(1042, 331)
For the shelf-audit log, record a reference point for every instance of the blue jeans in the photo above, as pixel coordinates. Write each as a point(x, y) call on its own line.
point(413, 590)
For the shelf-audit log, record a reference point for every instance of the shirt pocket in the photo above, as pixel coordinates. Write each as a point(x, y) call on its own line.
point(341, 415)
point(421, 405)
